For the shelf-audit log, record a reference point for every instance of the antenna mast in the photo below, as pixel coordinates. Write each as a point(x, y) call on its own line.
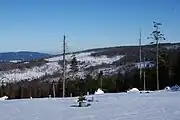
point(64, 64)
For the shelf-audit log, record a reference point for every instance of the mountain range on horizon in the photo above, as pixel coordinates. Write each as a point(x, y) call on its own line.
point(29, 55)
point(22, 56)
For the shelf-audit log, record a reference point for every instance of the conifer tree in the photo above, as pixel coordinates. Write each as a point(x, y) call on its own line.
point(74, 66)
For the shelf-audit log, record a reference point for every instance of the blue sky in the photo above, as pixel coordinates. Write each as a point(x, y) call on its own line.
point(39, 25)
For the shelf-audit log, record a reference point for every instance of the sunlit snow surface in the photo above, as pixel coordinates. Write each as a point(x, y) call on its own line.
point(35, 72)
point(86, 57)
point(121, 106)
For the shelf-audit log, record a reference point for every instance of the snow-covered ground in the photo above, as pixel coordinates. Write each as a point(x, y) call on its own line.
point(144, 64)
point(35, 72)
point(86, 57)
point(52, 66)
point(117, 106)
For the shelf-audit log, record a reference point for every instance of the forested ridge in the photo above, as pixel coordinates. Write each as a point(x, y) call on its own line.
point(121, 82)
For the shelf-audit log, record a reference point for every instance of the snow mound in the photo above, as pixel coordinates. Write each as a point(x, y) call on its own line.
point(146, 91)
point(99, 91)
point(133, 90)
point(175, 88)
point(167, 88)
point(172, 89)
point(4, 98)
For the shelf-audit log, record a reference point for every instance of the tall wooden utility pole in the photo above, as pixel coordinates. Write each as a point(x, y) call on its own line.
point(54, 91)
point(64, 65)
point(140, 72)
point(144, 73)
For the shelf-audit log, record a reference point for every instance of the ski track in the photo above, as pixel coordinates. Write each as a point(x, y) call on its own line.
point(114, 106)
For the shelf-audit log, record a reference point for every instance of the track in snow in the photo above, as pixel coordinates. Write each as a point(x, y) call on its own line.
point(119, 106)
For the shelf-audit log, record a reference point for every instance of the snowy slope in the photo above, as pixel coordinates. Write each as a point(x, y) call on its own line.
point(88, 59)
point(52, 67)
point(35, 72)
point(121, 106)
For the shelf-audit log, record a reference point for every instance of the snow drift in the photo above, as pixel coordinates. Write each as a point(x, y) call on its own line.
point(99, 91)
point(133, 90)
point(4, 98)
point(173, 88)
point(167, 88)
